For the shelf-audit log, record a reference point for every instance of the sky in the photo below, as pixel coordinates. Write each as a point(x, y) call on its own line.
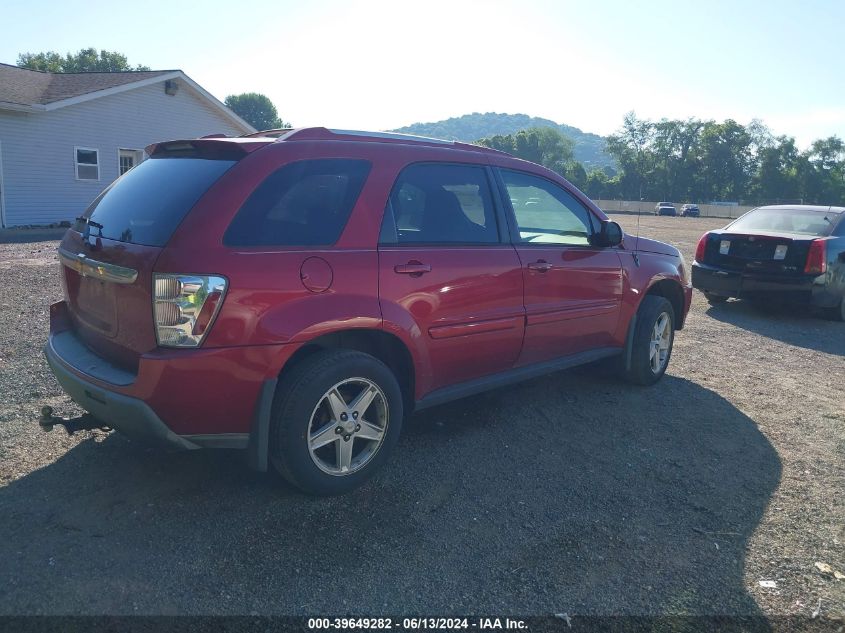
point(379, 65)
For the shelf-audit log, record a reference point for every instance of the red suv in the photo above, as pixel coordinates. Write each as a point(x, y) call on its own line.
point(296, 293)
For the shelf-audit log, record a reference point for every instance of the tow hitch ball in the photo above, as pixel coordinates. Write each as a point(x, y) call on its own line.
point(84, 422)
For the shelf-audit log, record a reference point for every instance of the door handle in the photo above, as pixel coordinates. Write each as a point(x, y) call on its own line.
point(541, 266)
point(413, 268)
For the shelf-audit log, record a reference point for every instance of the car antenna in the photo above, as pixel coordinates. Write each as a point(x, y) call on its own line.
point(637, 243)
point(637, 240)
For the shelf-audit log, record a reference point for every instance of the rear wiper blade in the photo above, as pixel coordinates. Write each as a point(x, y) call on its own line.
point(88, 222)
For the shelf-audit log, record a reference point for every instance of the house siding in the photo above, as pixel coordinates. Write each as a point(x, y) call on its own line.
point(38, 159)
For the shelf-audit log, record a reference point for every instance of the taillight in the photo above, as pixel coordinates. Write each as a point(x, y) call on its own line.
point(185, 306)
point(701, 247)
point(816, 258)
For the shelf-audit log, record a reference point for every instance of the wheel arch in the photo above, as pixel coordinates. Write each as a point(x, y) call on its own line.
point(672, 291)
point(386, 347)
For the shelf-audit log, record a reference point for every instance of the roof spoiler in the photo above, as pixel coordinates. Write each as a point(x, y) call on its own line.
point(216, 148)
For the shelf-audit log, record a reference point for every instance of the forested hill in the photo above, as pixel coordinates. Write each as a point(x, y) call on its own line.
point(588, 150)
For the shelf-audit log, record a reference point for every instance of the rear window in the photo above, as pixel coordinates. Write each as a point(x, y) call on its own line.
point(306, 203)
point(801, 221)
point(147, 204)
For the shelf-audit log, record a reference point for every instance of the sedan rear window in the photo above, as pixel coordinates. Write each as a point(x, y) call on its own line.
point(801, 221)
point(147, 204)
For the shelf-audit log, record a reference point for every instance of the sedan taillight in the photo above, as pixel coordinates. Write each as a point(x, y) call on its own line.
point(701, 247)
point(816, 258)
point(185, 307)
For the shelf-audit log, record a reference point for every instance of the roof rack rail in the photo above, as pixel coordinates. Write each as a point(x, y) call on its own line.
point(326, 134)
point(393, 136)
point(271, 133)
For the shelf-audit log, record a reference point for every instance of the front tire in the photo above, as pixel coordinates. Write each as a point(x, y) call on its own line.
point(653, 339)
point(336, 417)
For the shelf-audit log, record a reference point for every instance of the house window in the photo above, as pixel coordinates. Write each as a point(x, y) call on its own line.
point(87, 163)
point(127, 159)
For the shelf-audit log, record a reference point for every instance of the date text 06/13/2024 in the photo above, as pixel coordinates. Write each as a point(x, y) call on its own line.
point(416, 624)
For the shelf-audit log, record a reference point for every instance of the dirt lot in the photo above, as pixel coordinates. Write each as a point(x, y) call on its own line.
point(571, 493)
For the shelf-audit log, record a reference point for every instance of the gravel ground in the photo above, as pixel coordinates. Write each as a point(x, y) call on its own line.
point(572, 493)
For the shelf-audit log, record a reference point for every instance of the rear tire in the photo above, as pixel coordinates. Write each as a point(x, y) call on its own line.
point(765, 305)
point(336, 417)
point(714, 300)
point(837, 313)
point(653, 337)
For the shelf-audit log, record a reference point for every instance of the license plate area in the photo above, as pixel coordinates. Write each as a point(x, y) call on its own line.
point(97, 307)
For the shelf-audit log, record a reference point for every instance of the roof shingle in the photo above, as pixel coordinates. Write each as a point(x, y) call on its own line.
point(31, 87)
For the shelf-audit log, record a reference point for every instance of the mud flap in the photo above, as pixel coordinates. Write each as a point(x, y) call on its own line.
point(259, 436)
point(629, 342)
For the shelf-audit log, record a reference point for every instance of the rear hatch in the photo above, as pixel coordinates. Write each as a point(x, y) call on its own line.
point(109, 254)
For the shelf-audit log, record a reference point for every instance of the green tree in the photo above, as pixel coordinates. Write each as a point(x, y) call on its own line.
point(779, 175)
point(575, 173)
point(597, 185)
point(674, 144)
point(631, 149)
point(824, 171)
point(827, 153)
point(726, 160)
point(543, 145)
point(694, 161)
point(257, 110)
point(86, 60)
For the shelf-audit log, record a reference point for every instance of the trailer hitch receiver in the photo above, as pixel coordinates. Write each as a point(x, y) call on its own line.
point(84, 422)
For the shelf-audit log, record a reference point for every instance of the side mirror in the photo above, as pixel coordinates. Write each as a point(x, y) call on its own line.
point(610, 235)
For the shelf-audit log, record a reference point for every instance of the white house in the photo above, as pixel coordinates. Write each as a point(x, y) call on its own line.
point(64, 137)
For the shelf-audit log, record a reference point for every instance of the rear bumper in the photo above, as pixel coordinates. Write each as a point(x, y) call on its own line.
point(182, 398)
point(131, 416)
point(804, 289)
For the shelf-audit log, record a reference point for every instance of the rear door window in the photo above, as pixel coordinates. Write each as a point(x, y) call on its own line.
point(305, 203)
point(441, 204)
point(147, 204)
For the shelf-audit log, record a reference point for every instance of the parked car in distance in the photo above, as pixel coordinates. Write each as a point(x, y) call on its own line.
point(665, 208)
point(690, 211)
point(790, 252)
point(296, 293)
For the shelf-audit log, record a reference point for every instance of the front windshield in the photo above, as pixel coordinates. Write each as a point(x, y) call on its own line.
point(801, 221)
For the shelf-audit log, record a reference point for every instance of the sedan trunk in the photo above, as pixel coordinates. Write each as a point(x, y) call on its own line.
point(770, 253)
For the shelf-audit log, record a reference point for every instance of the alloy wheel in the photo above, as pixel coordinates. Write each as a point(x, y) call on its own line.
point(348, 426)
point(661, 339)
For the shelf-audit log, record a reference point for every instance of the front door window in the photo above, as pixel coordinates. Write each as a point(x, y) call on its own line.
point(546, 213)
